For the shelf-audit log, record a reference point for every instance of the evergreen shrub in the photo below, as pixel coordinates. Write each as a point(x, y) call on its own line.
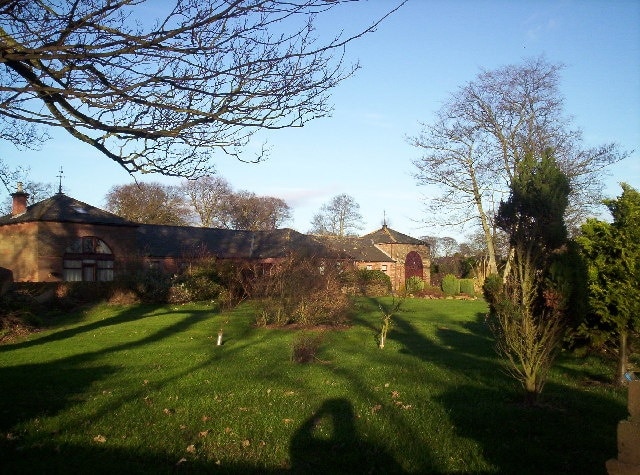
point(414, 285)
point(372, 283)
point(450, 285)
point(467, 287)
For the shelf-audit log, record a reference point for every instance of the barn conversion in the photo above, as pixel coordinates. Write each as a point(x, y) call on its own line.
point(63, 239)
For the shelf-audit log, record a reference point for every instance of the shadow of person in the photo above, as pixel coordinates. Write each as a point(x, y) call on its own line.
point(327, 443)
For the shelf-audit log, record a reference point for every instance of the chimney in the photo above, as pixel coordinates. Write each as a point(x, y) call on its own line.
point(19, 201)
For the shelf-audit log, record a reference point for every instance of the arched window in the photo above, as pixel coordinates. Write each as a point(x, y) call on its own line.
point(88, 258)
point(413, 266)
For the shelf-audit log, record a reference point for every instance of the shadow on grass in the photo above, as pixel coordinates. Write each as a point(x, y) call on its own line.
point(129, 315)
point(327, 442)
point(576, 438)
point(38, 390)
point(574, 432)
point(30, 391)
point(99, 459)
point(576, 435)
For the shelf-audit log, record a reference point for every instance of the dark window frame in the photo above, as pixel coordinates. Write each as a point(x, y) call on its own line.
point(95, 262)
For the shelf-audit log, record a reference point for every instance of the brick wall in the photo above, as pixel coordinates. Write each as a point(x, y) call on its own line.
point(18, 250)
point(34, 251)
point(398, 253)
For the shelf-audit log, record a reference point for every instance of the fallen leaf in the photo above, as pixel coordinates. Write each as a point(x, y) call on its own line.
point(394, 394)
point(246, 443)
point(101, 439)
point(287, 421)
point(289, 393)
point(182, 460)
point(205, 418)
point(168, 411)
point(203, 433)
point(408, 406)
point(376, 408)
point(183, 427)
point(386, 385)
point(227, 430)
point(191, 449)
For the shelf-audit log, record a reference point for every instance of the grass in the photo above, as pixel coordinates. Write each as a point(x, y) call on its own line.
point(145, 389)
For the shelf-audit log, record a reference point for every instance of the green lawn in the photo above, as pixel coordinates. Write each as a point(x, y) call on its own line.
point(146, 390)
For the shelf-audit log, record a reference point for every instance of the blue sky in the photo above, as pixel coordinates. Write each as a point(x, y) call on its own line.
point(410, 65)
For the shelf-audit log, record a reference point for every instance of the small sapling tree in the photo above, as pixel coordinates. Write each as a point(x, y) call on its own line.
point(388, 312)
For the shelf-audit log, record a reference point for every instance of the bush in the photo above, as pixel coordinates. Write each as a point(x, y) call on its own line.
point(450, 285)
point(200, 283)
point(414, 285)
point(371, 283)
point(300, 291)
point(305, 347)
point(492, 289)
point(467, 287)
point(432, 292)
point(149, 285)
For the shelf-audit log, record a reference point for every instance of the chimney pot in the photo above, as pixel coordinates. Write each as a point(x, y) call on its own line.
point(19, 201)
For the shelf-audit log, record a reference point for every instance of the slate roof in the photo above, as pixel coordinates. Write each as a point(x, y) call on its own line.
point(356, 248)
point(386, 235)
point(175, 241)
point(62, 208)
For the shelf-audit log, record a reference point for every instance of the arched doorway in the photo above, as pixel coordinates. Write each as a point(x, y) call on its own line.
point(413, 266)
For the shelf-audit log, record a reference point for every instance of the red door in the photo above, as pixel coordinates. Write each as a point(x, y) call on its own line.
point(413, 266)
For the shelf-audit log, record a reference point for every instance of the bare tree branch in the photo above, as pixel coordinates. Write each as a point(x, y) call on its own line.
point(473, 148)
point(159, 96)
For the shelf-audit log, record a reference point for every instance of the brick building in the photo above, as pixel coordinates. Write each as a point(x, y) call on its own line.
point(63, 239)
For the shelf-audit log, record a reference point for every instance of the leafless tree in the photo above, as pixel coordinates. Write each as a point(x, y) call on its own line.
point(247, 210)
point(158, 95)
point(210, 197)
point(219, 206)
point(340, 217)
point(473, 148)
point(433, 242)
point(149, 203)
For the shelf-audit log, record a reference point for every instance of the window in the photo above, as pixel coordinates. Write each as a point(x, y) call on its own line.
point(72, 270)
point(104, 271)
point(88, 259)
point(369, 267)
point(384, 268)
point(88, 245)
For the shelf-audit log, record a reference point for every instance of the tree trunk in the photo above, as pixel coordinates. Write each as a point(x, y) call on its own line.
point(507, 266)
point(622, 358)
point(488, 237)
